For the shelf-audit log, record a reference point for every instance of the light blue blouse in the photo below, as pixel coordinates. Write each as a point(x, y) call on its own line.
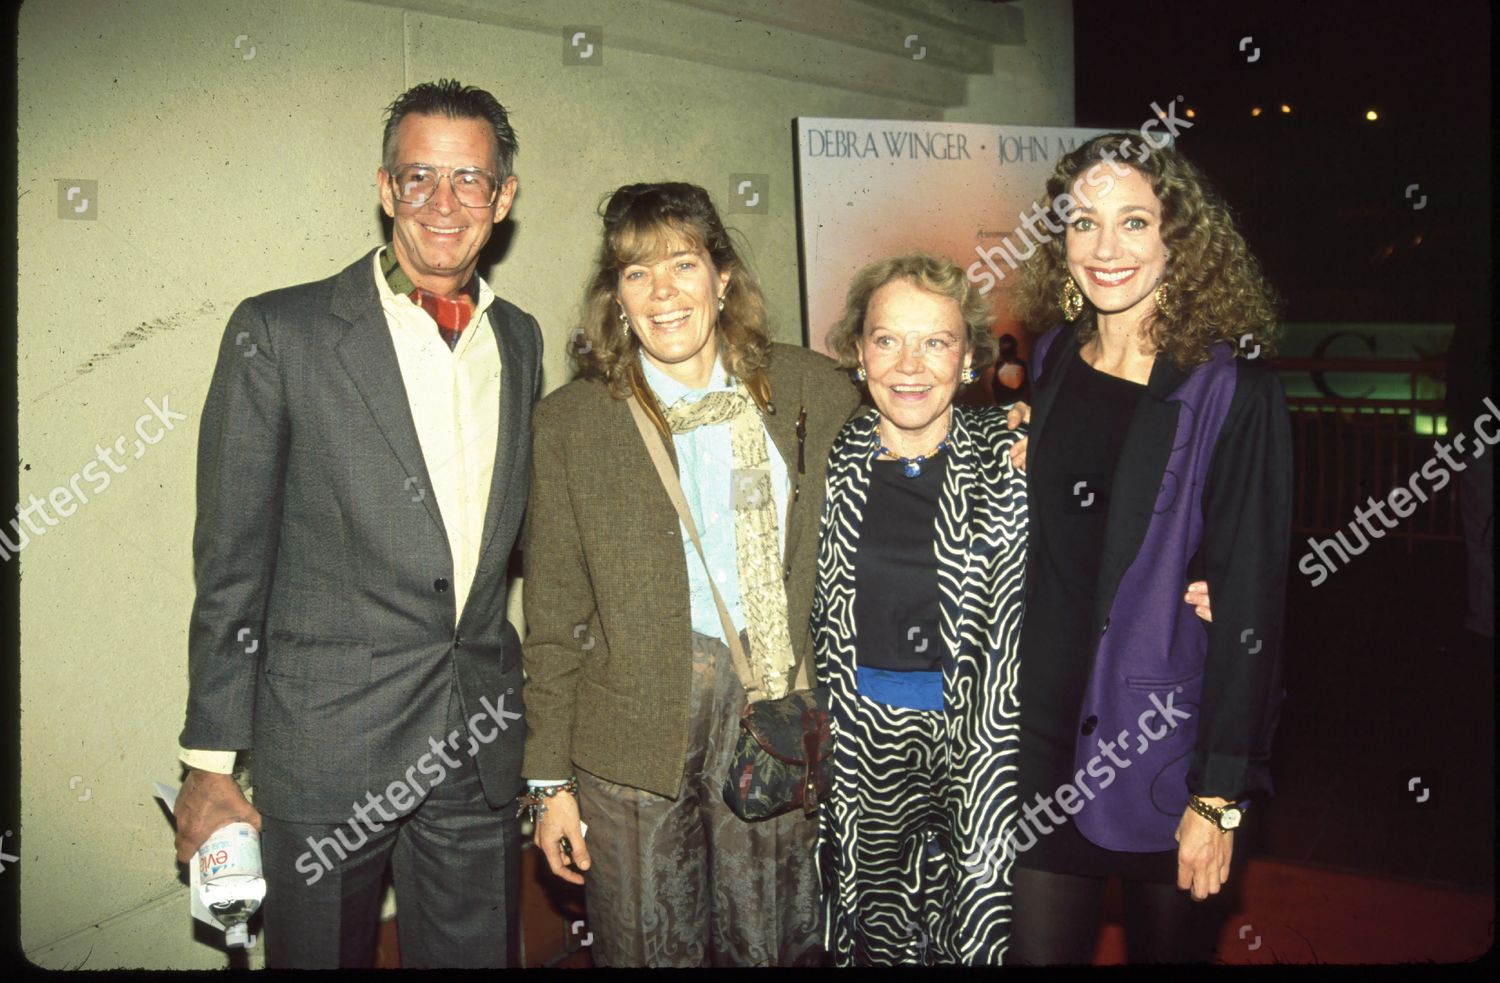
point(705, 462)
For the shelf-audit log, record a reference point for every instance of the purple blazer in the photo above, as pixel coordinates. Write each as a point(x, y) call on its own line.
point(1202, 491)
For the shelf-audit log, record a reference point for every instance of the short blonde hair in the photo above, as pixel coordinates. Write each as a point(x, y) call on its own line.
point(932, 274)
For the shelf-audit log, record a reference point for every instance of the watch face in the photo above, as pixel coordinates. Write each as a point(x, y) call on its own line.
point(1230, 819)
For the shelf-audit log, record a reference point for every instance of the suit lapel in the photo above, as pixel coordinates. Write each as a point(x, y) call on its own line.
point(782, 426)
point(368, 355)
point(508, 436)
point(667, 441)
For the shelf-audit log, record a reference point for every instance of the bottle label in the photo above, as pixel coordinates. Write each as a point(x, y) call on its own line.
point(229, 866)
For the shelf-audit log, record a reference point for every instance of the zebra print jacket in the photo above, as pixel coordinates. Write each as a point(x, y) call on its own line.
point(980, 543)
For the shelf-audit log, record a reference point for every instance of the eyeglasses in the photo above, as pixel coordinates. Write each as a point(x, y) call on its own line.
point(415, 184)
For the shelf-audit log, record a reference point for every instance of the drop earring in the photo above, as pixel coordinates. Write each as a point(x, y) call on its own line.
point(1164, 304)
point(1072, 300)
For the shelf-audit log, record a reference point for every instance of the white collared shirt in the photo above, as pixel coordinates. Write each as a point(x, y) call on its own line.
point(455, 405)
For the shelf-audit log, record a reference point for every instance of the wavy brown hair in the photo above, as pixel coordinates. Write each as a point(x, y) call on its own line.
point(1214, 286)
point(932, 274)
point(643, 222)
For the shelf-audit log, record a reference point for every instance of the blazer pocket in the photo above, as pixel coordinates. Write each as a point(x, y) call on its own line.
point(327, 659)
point(594, 695)
point(1190, 683)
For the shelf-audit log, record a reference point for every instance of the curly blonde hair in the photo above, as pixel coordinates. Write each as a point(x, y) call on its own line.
point(1213, 284)
point(643, 222)
point(932, 274)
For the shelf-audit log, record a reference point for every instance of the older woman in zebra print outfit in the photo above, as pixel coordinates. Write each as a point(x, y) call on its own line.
point(916, 621)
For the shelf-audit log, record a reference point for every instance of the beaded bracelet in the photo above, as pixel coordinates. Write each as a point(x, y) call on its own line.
point(533, 800)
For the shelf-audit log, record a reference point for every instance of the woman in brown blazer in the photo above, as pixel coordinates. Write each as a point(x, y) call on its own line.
point(630, 687)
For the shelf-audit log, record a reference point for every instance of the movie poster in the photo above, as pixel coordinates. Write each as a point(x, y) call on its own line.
point(874, 188)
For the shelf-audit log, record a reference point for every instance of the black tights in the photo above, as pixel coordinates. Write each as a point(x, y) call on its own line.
point(1056, 920)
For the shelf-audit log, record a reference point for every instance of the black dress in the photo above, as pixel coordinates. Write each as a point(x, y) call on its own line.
point(1069, 493)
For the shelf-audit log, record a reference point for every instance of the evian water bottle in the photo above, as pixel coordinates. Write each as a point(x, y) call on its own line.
point(229, 879)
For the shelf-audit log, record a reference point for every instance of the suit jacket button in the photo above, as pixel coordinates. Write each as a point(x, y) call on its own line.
point(1089, 725)
point(440, 585)
point(458, 641)
point(787, 573)
point(1105, 628)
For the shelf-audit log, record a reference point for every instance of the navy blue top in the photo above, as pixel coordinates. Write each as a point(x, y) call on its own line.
point(896, 602)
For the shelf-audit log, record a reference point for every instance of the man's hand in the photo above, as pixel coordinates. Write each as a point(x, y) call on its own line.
point(1018, 414)
point(1197, 596)
point(208, 802)
point(1203, 853)
point(561, 819)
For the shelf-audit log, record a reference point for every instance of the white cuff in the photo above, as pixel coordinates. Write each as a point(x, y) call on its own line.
point(221, 762)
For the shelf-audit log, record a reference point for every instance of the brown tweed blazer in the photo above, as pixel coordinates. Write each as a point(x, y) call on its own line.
point(609, 635)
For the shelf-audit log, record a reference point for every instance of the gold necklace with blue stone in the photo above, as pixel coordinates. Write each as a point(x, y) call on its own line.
point(911, 466)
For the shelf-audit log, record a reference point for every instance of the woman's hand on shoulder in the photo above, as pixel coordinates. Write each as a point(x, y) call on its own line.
point(1197, 596)
point(1018, 415)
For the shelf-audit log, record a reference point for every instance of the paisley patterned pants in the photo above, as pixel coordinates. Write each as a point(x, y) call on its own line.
point(685, 882)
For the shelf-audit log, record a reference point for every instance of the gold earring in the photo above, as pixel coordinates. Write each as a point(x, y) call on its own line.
point(859, 374)
point(1164, 304)
point(1072, 300)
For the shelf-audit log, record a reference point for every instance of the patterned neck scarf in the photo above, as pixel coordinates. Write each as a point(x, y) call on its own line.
point(762, 589)
point(452, 316)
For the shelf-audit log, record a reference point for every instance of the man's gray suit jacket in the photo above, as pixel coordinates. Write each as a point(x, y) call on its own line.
point(322, 633)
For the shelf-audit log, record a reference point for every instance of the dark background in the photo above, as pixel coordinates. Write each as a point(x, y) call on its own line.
point(1320, 191)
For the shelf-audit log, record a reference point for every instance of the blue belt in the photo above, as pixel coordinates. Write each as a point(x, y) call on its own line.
point(911, 690)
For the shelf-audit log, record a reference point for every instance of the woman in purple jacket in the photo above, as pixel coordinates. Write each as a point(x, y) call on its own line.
point(1160, 454)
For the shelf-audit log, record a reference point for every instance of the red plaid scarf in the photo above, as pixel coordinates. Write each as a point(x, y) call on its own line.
point(452, 316)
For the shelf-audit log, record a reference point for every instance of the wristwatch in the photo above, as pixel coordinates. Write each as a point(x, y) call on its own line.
point(1225, 817)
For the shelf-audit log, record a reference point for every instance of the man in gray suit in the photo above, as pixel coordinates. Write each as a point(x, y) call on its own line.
point(362, 470)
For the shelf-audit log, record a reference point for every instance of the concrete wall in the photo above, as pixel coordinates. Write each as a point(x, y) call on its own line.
point(234, 146)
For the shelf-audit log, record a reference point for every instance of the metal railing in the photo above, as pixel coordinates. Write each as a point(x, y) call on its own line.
point(1347, 450)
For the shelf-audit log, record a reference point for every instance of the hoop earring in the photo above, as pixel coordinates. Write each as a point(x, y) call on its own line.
point(1164, 304)
point(859, 374)
point(1071, 300)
